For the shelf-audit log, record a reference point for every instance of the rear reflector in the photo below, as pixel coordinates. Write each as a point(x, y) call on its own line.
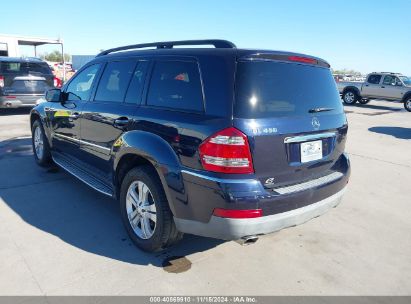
point(302, 59)
point(227, 151)
point(230, 213)
point(1, 81)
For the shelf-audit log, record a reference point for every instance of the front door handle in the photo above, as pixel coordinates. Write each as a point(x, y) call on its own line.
point(383, 87)
point(121, 122)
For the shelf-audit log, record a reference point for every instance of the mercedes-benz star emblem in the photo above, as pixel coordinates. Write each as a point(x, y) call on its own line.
point(316, 123)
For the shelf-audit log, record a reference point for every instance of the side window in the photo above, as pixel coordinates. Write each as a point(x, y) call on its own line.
point(80, 87)
point(374, 79)
point(176, 85)
point(390, 80)
point(114, 82)
point(137, 82)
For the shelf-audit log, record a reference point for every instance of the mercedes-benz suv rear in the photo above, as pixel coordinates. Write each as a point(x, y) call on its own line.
point(283, 158)
point(23, 81)
point(220, 142)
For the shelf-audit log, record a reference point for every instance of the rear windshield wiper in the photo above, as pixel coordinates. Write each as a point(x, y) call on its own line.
point(316, 110)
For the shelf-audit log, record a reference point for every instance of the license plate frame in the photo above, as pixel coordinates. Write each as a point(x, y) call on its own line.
point(311, 151)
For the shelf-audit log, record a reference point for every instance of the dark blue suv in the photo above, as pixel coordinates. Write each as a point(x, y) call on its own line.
point(220, 142)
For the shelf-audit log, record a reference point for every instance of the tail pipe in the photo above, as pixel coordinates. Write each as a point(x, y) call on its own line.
point(247, 240)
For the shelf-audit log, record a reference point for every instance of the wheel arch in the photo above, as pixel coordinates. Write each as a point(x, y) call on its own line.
point(406, 96)
point(352, 88)
point(136, 148)
point(34, 115)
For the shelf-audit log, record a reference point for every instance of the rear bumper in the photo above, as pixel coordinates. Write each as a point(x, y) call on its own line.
point(18, 101)
point(233, 229)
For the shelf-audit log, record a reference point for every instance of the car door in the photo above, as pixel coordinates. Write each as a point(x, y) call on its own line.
point(391, 87)
point(64, 116)
point(372, 87)
point(111, 111)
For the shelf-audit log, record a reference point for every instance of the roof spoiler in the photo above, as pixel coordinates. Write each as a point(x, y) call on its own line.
point(282, 57)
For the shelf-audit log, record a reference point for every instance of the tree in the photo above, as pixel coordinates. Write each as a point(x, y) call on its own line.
point(55, 56)
point(346, 72)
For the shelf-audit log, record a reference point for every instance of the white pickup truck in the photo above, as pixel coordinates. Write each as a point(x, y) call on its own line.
point(387, 86)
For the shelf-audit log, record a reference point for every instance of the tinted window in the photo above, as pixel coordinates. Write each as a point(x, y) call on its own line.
point(406, 80)
point(24, 68)
point(80, 86)
point(114, 82)
point(176, 85)
point(390, 80)
point(271, 89)
point(374, 79)
point(137, 82)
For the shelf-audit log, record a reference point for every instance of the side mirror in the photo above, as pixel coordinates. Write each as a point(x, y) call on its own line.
point(54, 95)
point(399, 84)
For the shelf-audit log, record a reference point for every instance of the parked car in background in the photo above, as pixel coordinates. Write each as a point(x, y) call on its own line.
point(384, 85)
point(208, 141)
point(23, 81)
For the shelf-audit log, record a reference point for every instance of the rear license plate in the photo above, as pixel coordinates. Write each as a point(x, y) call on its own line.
point(311, 150)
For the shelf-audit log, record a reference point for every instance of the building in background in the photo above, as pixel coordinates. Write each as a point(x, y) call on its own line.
point(9, 44)
point(79, 60)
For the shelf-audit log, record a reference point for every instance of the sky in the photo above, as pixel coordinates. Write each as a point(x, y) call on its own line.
point(366, 35)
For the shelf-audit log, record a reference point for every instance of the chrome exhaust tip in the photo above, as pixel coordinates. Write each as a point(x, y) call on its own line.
point(247, 240)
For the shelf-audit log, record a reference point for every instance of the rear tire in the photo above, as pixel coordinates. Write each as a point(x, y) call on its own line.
point(407, 104)
point(145, 211)
point(350, 97)
point(41, 148)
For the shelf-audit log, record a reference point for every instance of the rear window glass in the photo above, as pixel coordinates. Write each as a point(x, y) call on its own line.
point(24, 68)
point(114, 82)
point(374, 79)
point(135, 88)
point(176, 85)
point(271, 89)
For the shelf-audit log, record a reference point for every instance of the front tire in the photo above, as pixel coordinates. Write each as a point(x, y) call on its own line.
point(407, 104)
point(41, 148)
point(145, 211)
point(350, 97)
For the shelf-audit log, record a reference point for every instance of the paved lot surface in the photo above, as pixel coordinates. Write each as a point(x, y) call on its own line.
point(59, 237)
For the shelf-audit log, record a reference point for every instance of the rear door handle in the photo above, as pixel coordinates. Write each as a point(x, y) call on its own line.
point(121, 122)
point(383, 87)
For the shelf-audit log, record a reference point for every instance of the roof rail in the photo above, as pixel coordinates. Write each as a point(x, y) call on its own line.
point(217, 43)
point(392, 73)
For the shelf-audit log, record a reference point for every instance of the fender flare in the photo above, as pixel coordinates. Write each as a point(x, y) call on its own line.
point(352, 88)
point(39, 112)
point(158, 152)
point(406, 96)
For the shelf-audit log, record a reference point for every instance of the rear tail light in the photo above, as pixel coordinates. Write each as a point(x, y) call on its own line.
point(57, 82)
point(230, 213)
point(1, 81)
point(227, 151)
point(303, 59)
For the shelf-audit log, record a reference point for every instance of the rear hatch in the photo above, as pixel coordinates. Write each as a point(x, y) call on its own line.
point(25, 78)
point(290, 109)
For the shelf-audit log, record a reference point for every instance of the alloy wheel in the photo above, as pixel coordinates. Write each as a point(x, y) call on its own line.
point(38, 143)
point(141, 210)
point(349, 97)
